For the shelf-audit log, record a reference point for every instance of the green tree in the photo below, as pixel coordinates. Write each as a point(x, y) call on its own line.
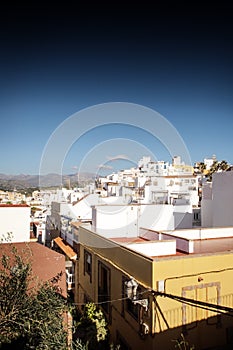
point(217, 166)
point(30, 318)
point(92, 327)
point(201, 167)
point(34, 317)
point(223, 165)
point(182, 344)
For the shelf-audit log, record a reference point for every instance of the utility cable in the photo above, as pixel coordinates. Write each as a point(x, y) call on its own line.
point(101, 302)
point(197, 303)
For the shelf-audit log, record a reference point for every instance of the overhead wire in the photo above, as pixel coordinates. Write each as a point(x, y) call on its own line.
point(102, 302)
point(196, 274)
point(220, 309)
point(197, 303)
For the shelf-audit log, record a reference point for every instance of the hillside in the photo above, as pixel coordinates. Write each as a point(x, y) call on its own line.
point(22, 181)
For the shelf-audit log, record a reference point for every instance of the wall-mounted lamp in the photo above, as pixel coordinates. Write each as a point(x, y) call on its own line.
point(131, 289)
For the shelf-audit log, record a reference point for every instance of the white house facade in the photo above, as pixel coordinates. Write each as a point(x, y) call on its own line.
point(15, 222)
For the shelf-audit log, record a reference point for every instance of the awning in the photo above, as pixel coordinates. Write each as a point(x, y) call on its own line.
point(66, 248)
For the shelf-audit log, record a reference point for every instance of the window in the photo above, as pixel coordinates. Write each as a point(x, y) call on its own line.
point(205, 292)
point(88, 264)
point(104, 286)
point(133, 309)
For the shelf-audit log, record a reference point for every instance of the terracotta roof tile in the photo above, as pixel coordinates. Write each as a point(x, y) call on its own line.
point(45, 263)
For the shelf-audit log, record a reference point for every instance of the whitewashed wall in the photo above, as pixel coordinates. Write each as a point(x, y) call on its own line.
point(15, 220)
point(120, 221)
point(223, 199)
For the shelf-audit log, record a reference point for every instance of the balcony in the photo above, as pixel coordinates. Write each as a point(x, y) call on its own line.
point(69, 280)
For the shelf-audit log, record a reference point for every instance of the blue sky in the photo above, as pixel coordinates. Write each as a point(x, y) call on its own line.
point(56, 61)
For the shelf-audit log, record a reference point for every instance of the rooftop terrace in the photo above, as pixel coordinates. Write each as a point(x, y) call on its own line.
point(179, 242)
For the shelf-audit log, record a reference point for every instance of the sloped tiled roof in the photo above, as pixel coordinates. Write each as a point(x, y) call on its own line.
point(46, 264)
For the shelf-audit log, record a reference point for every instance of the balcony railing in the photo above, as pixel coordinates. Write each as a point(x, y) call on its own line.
point(69, 280)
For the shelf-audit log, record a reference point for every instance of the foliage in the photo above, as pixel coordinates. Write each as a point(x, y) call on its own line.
point(32, 314)
point(217, 166)
point(97, 317)
point(34, 209)
point(79, 345)
point(182, 344)
point(6, 238)
point(92, 327)
point(30, 318)
point(201, 167)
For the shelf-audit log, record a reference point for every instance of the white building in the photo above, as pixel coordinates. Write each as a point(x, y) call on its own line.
point(112, 220)
point(217, 201)
point(155, 195)
point(63, 213)
point(209, 162)
point(39, 229)
point(15, 222)
point(182, 189)
point(155, 182)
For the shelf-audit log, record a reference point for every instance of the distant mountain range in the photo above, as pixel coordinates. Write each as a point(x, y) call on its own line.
point(22, 181)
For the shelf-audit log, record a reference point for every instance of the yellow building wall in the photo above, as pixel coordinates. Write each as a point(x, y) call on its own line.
point(204, 278)
point(121, 323)
point(122, 263)
point(134, 264)
point(85, 285)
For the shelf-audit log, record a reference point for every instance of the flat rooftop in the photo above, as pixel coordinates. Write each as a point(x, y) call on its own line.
point(179, 242)
point(200, 233)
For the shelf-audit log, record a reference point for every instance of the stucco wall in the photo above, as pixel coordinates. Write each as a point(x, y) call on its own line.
point(15, 220)
point(223, 199)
